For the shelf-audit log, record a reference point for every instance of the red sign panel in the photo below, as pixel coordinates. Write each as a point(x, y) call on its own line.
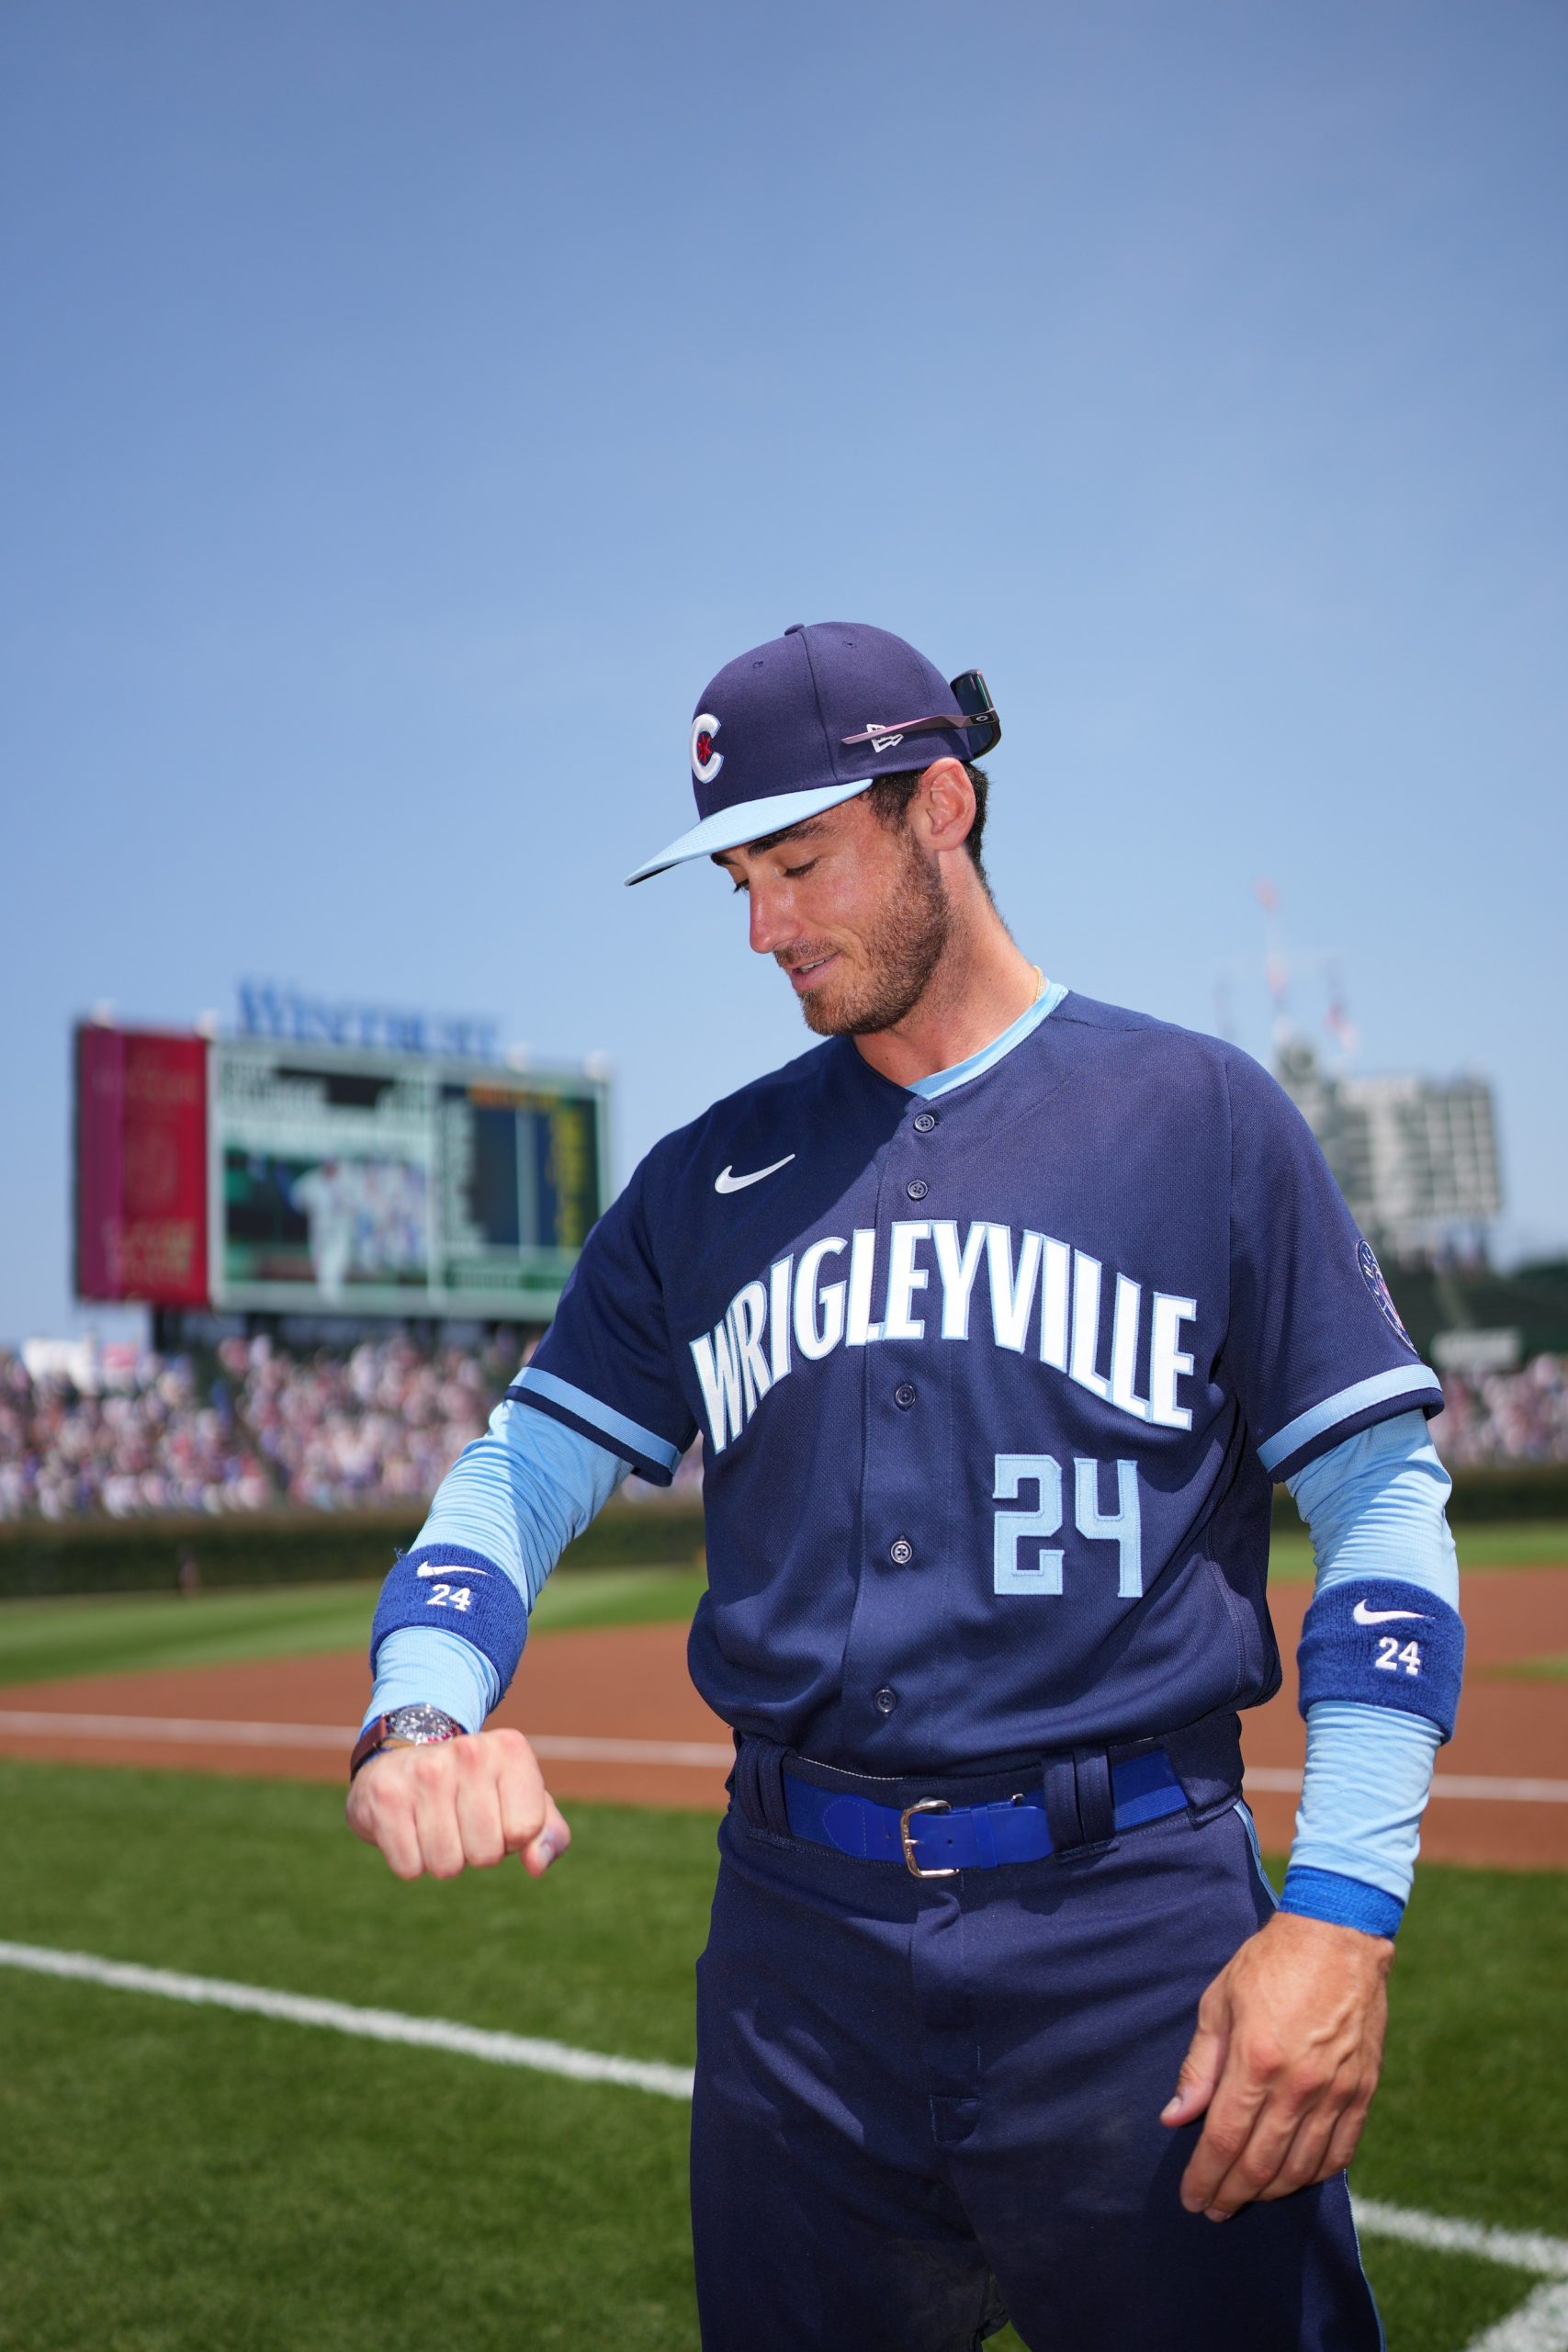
point(141, 1167)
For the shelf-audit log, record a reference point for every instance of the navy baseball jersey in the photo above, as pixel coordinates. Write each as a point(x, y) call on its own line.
point(992, 1381)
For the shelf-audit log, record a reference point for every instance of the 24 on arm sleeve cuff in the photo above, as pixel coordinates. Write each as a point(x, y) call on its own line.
point(1382, 1642)
point(505, 1511)
point(1383, 1629)
point(442, 1588)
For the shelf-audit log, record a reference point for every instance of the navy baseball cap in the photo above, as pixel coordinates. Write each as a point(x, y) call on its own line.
point(811, 718)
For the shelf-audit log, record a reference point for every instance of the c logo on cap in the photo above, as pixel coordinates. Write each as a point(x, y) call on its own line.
point(706, 762)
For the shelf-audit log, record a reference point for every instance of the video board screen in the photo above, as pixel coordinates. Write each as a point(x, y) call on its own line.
point(362, 1182)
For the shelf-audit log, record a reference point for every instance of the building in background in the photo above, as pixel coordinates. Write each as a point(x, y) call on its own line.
point(1415, 1157)
point(1417, 1160)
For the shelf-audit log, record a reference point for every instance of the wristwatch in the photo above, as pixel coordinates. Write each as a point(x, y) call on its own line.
point(417, 1726)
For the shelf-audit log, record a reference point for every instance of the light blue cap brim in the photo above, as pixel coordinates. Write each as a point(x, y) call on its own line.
point(747, 821)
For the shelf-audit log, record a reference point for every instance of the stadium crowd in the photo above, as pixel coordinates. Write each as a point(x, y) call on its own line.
point(325, 1431)
point(154, 1445)
point(381, 1423)
point(329, 1430)
point(1505, 1415)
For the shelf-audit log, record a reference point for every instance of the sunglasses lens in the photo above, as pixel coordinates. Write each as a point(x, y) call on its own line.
point(973, 698)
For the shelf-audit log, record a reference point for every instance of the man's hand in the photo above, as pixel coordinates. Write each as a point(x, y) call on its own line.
point(455, 1803)
point(1285, 2060)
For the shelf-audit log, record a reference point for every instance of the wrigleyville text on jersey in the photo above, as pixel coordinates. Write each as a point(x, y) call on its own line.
point(1021, 1290)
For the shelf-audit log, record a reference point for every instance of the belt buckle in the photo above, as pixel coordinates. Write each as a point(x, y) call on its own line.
point(911, 1859)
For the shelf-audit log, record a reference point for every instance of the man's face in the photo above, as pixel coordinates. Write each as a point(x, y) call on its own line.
point(853, 910)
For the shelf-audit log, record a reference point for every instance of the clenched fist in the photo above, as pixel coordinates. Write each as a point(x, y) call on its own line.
point(458, 1802)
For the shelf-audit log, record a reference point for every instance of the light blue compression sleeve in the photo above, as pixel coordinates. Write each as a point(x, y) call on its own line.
point(514, 1500)
point(1375, 1506)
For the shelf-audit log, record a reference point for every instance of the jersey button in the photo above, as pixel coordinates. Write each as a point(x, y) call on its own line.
point(901, 1551)
point(885, 1700)
point(905, 1393)
point(917, 1188)
point(924, 1121)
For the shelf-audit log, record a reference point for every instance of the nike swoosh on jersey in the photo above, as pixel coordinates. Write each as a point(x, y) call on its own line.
point(447, 1568)
point(1365, 1616)
point(726, 1183)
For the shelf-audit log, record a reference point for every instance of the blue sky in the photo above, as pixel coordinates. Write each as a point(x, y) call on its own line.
point(409, 408)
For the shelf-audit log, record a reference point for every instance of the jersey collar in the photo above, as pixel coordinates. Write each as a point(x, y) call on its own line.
point(942, 1081)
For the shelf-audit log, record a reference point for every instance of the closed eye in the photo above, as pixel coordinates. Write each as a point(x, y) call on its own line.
point(794, 873)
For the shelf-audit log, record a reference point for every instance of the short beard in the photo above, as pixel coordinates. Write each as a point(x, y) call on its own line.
point(903, 949)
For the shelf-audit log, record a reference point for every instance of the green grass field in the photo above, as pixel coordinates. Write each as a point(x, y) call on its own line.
point(173, 2179)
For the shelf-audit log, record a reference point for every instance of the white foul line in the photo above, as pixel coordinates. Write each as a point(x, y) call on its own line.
point(1540, 2324)
point(1518, 2249)
point(41, 1723)
point(369, 2025)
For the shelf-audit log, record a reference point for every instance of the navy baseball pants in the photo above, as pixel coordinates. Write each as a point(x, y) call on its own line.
point(923, 2106)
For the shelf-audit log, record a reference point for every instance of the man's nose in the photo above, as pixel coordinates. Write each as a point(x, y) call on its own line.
point(773, 924)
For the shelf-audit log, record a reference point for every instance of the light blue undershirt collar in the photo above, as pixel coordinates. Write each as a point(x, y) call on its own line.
point(942, 1081)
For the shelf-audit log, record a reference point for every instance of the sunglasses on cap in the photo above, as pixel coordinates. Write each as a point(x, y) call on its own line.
point(977, 715)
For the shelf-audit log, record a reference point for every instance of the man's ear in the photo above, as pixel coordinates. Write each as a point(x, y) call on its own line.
point(944, 805)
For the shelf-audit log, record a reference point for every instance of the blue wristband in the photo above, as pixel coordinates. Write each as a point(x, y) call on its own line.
point(458, 1593)
point(1343, 1902)
point(1383, 1641)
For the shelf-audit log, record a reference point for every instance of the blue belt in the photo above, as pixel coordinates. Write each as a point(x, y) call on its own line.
point(933, 1838)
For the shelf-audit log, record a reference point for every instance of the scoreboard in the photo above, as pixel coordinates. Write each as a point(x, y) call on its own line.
point(259, 1173)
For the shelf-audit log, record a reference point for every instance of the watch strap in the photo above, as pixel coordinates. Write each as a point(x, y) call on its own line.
point(371, 1740)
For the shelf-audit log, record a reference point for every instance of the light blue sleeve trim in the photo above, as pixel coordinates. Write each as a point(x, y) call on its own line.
point(518, 1495)
point(942, 1081)
point(1405, 1381)
point(603, 1416)
point(1375, 1505)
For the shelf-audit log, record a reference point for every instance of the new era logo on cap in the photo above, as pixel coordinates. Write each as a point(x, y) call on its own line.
point(799, 735)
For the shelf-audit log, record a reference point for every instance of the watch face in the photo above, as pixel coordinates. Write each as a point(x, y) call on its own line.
point(422, 1723)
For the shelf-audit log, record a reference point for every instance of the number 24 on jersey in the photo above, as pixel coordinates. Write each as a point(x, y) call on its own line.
point(1015, 1572)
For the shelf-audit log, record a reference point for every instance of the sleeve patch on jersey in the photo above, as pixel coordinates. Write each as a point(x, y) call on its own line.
point(1372, 1275)
point(1343, 1902)
point(651, 1454)
point(459, 1592)
point(1382, 1388)
point(1383, 1641)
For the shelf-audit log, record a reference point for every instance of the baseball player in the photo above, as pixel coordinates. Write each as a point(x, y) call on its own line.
point(998, 1312)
